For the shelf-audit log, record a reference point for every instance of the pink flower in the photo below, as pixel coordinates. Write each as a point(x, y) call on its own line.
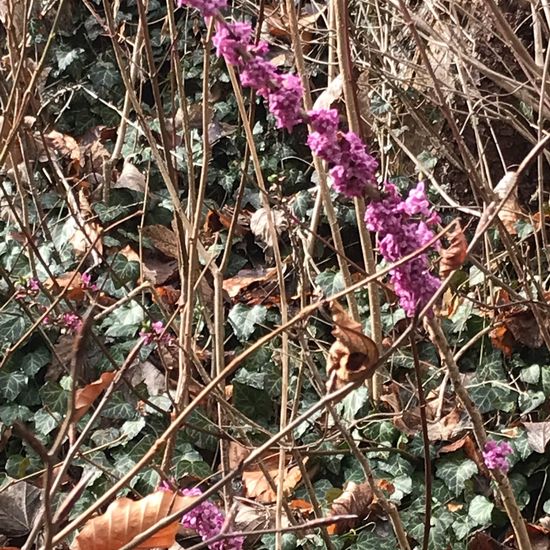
point(71, 321)
point(285, 101)
point(231, 41)
point(156, 332)
point(33, 285)
point(403, 226)
point(206, 519)
point(87, 282)
point(496, 454)
point(206, 7)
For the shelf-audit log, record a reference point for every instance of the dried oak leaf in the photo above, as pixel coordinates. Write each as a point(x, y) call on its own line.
point(88, 394)
point(455, 254)
point(125, 519)
point(353, 356)
point(131, 178)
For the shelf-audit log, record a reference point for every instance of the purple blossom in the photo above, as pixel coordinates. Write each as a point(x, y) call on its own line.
point(496, 454)
point(156, 332)
point(206, 7)
point(231, 41)
point(285, 101)
point(403, 226)
point(71, 321)
point(207, 520)
point(33, 285)
point(352, 169)
point(87, 284)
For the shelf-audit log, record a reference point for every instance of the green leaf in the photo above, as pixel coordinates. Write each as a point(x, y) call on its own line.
point(480, 510)
point(118, 407)
point(12, 384)
point(530, 400)
point(530, 375)
point(252, 402)
point(12, 326)
point(65, 58)
point(331, 282)
point(371, 541)
point(54, 397)
point(545, 380)
point(455, 472)
point(126, 271)
point(125, 321)
point(45, 422)
point(104, 76)
point(353, 403)
point(35, 360)
point(10, 413)
point(463, 526)
point(244, 319)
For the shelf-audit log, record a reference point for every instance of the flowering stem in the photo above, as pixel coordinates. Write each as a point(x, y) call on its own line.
point(439, 340)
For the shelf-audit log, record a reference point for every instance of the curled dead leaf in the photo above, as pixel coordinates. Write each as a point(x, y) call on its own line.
point(455, 254)
point(357, 499)
point(163, 239)
point(88, 394)
point(353, 356)
point(255, 483)
point(260, 221)
point(125, 519)
point(131, 178)
point(332, 93)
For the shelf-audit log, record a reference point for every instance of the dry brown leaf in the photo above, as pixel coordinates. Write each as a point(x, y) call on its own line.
point(255, 483)
point(131, 178)
point(353, 356)
point(455, 255)
point(163, 239)
point(502, 339)
point(65, 146)
point(88, 394)
point(357, 499)
point(538, 435)
point(454, 506)
point(70, 282)
point(511, 211)
point(125, 519)
point(332, 93)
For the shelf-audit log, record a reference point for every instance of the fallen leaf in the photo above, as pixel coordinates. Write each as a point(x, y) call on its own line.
point(357, 499)
point(455, 254)
point(163, 239)
point(454, 506)
point(502, 339)
point(130, 178)
point(260, 224)
point(125, 519)
point(302, 505)
point(65, 146)
point(353, 356)
point(253, 286)
point(538, 435)
point(70, 283)
point(482, 541)
point(254, 481)
point(88, 394)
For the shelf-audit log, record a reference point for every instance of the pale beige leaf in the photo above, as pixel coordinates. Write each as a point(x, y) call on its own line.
point(131, 178)
point(332, 93)
point(260, 222)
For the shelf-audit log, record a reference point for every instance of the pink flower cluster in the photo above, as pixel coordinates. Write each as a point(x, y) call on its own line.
point(155, 333)
point(68, 321)
point(496, 454)
point(352, 169)
point(87, 284)
point(27, 288)
point(207, 520)
point(283, 92)
point(403, 226)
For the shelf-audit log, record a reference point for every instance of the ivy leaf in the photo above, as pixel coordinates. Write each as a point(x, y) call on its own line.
point(127, 271)
point(35, 360)
point(125, 321)
point(455, 472)
point(12, 326)
point(54, 397)
point(530, 375)
point(480, 510)
point(104, 76)
point(530, 400)
point(10, 413)
point(118, 407)
point(45, 422)
point(331, 282)
point(371, 541)
point(244, 319)
point(12, 384)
